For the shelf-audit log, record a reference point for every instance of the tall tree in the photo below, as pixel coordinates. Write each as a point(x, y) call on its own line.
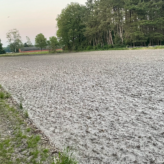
point(2, 51)
point(29, 43)
point(40, 41)
point(71, 25)
point(92, 31)
point(53, 43)
point(25, 45)
point(14, 40)
point(108, 23)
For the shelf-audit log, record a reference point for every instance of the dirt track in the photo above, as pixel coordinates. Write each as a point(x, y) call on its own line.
point(108, 105)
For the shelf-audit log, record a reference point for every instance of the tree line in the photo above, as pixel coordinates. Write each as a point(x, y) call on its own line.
point(15, 42)
point(101, 24)
point(111, 23)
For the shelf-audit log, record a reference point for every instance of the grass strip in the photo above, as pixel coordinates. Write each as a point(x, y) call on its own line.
point(67, 51)
point(19, 144)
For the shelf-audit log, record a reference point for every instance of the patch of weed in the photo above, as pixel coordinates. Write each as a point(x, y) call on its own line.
point(33, 141)
point(6, 150)
point(28, 130)
point(26, 114)
point(65, 158)
point(2, 95)
point(20, 105)
point(7, 95)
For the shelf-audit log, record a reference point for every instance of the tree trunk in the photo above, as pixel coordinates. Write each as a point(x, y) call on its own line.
point(110, 36)
point(121, 36)
point(150, 43)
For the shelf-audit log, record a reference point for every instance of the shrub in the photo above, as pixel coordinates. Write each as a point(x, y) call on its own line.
point(80, 48)
point(95, 47)
point(117, 40)
point(110, 46)
point(119, 46)
point(105, 47)
point(98, 46)
point(89, 48)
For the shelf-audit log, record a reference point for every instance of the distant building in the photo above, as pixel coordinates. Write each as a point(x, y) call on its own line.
point(35, 49)
point(32, 49)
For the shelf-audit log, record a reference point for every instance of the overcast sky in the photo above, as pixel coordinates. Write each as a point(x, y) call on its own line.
point(31, 17)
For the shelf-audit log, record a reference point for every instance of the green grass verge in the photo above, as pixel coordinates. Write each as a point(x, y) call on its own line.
point(66, 51)
point(33, 53)
point(22, 54)
point(118, 48)
point(147, 48)
point(30, 53)
point(134, 48)
point(19, 144)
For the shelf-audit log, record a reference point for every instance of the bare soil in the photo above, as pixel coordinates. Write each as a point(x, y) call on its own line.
point(107, 105)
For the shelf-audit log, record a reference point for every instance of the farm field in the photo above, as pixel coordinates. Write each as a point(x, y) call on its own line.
point(107, 105)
